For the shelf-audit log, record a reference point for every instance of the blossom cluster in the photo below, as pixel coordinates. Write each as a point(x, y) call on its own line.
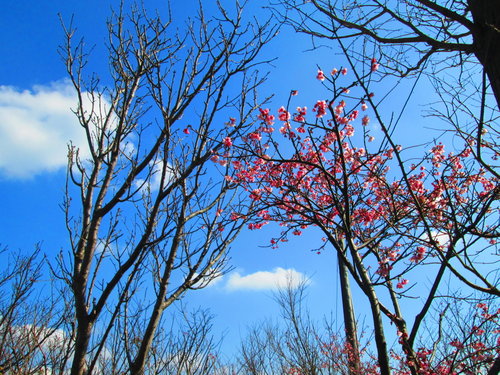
point(317, 171)
point(305, 187)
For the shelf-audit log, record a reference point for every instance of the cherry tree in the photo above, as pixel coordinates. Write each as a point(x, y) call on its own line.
point(390, 212)
point(452, 45)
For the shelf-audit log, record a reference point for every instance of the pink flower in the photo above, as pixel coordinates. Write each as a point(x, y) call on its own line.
point(340, 107)
point(256, 194)
point(457, 344)
point(375, 65)
point(231, 122)
point(254, 226)
point(320, 76)
point(186, 130)
point(343, 71)
point(265, 116)
point(294, 92)
point(419, 254)
point(300, 116)
point(334, 71)
point(383, 269)
point(285, 128)
point(235, 216)
point(482, 306)
point(255, 136)
point(365, 120)
point(320, 108)
point(478, 331)
point(284, 115)
point(227, 142)
point(402, 283)
point(364, 107)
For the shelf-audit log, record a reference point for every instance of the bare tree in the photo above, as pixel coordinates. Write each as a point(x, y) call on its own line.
point(148, 207)
point(184, 346)
point(31, 337)
point(295, 344)
point(460, 338)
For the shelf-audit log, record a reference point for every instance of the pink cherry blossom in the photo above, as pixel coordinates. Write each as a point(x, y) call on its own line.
point(227, 142)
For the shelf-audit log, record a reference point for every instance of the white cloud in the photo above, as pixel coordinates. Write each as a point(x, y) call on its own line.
point(209, 280)
point(51, 338)
point(442, 239)
point(43, 341)
point(35, 129)
point(266, 280)
point(154, 181)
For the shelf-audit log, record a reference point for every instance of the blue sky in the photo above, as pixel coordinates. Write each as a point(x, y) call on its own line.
point(36, 124)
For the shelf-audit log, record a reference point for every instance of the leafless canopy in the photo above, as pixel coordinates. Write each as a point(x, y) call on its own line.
point(148, 209)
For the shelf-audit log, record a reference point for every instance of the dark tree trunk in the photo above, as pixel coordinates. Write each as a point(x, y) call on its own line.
point(486, 17)
point(495, 368)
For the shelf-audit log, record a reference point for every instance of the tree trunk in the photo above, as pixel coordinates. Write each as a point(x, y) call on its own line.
point(495, 368)
point(486, 17)
point(137, 366)
point(382, 354)
point(79, 365)
point(349, 319)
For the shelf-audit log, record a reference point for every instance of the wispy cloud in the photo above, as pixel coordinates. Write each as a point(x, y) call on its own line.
point(35, 128)
point(154, 181)
point(266, 280)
